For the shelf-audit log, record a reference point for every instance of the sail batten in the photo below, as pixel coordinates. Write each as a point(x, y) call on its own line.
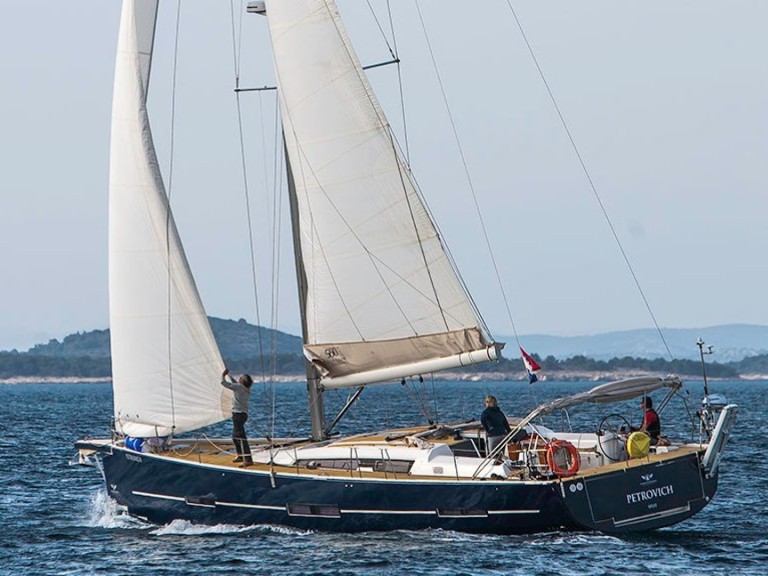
point(376, 269)
point(165, 360)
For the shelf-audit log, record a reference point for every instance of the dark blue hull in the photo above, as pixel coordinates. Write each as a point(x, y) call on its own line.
point(164, 489)
point(638, 498)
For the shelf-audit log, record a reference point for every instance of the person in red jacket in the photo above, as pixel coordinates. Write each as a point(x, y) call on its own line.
point(651, 423)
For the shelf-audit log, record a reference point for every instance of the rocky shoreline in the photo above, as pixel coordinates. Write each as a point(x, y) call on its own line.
point(559, 376)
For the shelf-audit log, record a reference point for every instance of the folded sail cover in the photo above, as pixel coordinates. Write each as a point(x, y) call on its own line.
point(355, 363)
point(382, 297)
point(165, 362)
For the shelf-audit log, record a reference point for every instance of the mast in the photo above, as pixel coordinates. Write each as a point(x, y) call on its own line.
point(314, 389)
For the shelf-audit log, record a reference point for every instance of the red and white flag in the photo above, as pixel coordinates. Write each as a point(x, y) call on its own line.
point(531, 366)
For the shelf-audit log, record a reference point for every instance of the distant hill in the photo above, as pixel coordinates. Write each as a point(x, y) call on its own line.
point(731, 343)
point(237, 340)
point(740, 350)
point(94, 344)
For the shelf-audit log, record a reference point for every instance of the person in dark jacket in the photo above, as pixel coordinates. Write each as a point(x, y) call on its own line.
point(242, 394)
point(494, 422)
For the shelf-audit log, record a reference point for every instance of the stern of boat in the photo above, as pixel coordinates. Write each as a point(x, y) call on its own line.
point(650, 495)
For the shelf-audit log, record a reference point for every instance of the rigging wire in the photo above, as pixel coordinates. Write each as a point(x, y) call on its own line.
point(434, 398)
point(405, 177)
point(277, 219)
point(393, 141)
point(383, 35)
point(400, 86)
point(467, 174)
point(396, 58)
point(430, 401)
point(413, 392)
point(168, 207)
point(236, 64)
point(375, 261)
point(589, 178)
point(268, 392)
point(239, 38)
point(277, 171)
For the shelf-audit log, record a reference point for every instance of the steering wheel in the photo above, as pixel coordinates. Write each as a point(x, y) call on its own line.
point(612, 423)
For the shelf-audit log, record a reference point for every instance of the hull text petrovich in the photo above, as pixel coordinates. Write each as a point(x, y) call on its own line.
point(651, 494)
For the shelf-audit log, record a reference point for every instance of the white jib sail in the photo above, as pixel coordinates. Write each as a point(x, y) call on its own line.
point(166, 365)
point(383, 299)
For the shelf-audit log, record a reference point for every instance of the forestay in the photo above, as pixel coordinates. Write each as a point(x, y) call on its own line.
point(165, 361)
point(383, 299)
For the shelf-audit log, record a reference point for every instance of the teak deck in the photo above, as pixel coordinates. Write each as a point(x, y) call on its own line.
point(221, 452)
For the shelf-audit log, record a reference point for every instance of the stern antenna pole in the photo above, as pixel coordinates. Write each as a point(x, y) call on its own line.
point(702, 352)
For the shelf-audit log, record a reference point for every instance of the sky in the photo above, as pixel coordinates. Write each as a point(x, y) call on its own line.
point(665, 101)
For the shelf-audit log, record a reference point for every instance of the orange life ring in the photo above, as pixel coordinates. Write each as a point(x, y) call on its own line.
point(573, 454)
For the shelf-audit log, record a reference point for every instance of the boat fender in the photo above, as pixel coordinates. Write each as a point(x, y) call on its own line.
point(638, 445)
point(572, 457)
point(134, 443)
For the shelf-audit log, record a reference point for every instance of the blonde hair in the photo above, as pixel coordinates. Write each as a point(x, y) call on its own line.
point(491, 400)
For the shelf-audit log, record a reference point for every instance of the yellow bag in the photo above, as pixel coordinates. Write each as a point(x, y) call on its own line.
point(638, 445)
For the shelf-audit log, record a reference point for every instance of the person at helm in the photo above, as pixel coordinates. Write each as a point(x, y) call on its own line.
point(651, 423)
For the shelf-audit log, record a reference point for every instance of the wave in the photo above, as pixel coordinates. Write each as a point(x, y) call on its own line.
point(187, 528)
point(104, 512)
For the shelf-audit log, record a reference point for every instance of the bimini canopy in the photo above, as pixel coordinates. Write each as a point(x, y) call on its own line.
point(617, 391)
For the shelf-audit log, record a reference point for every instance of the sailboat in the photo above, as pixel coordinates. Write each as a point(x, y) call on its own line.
point(381, 300)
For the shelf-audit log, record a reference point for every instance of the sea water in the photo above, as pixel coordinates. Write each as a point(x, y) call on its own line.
point(56, 518)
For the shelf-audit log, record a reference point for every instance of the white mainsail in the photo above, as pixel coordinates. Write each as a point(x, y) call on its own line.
point(383, 300)
point(165, 362)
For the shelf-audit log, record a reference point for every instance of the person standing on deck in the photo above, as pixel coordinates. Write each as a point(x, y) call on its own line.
point(242, 394)
point(495, 423)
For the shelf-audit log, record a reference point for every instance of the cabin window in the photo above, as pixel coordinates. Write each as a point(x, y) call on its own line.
point(395, 466)
point(469, 448)
point(392, 466)
point(325, 510)
point(205, 502)
point(332, 464)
